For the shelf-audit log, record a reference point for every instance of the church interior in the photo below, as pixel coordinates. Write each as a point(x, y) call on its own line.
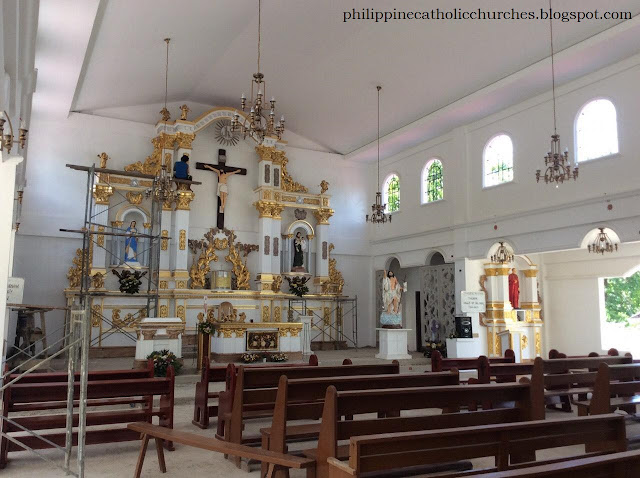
point(315, 238)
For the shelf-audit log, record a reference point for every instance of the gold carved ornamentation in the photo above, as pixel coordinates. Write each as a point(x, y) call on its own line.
point(96, 315)
point(288, 184)
point(167, 161)
point(289, 198)
point(184, 110)
point(239, 269)
point(324, 186)
point(312, 201)
point(180, 312)
point(183, 240)
point(165, 240)
point(164, 311)
point(266, 313)
point(227, 333)
point(200, 316)
point(166, 205)
point(126, 180)
point(102, 193)
point(200, 269)
point(266, 194)
point(325, 202)
point(498, 345)
point(221, 244)
point(524, 341)
point(100, 240)
point(277, 314)
point(322, 215)
point(276, 284)
point(75, 273)
point(326, 316)
point(269, 153)
point(134, 198)
point(310, 236)
point(264, 208)
point(147, 225)
point(276, 211)
point(115, 318)
point(164, 284)
point(530, 272)
point(181, 284)
point(184, 140)
point(294, 332)
point(538, 343)
point(335, 284)
point(97, 280)
point(183, 199)
point(153, 163)
point(104, 157)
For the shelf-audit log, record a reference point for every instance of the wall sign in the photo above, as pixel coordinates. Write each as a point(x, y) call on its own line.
point(473, 302)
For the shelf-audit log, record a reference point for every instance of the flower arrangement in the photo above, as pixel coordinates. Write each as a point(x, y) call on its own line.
point(205, 327)
point(297, 285)
point(250, 358)
point(280, 357)
point(129, 281)
point(431, 346)
point(161, 361)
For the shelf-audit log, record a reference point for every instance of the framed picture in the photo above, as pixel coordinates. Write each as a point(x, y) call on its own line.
point(262, 341)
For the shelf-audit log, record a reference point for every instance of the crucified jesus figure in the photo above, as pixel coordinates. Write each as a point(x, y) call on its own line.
point(223, 189)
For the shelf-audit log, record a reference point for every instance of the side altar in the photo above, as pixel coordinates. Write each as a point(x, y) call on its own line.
point(189, 274)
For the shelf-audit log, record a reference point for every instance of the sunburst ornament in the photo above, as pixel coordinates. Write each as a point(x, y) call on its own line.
point(225, 134)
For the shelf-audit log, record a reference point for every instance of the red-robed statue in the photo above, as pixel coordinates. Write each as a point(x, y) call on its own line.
point(514, 289)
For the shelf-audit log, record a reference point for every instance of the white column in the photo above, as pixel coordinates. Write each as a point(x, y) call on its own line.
point(100, 256)
point(165, 223)
point(276, 241)
point(180, 248)
point(322, 250)
point(7, 191)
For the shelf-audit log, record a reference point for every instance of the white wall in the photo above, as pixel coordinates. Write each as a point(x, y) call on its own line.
point(573, 299)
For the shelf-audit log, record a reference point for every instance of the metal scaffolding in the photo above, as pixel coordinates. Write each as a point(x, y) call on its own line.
point(76, 340)
point(328, 326)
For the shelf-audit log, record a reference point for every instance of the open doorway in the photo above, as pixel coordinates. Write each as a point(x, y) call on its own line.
point(620, 316)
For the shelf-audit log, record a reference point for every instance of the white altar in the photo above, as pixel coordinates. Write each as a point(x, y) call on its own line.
point(232, 339)
point(158, 334)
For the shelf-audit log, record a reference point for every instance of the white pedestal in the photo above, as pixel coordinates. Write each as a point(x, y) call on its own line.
point(158, 333)
point(463, 348)
point(393, 344)
point(306, 335)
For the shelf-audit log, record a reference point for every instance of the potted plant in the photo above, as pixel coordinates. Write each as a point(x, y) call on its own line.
point(162, 359)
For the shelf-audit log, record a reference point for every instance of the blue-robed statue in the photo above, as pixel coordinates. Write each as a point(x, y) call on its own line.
point(131, 244)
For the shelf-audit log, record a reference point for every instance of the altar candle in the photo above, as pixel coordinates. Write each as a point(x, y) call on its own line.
point(205, 307)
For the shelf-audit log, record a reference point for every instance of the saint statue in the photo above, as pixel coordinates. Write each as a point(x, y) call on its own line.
point(514, 289)
point(299, 246)
point(392, 289)
point(131, 244)
point(223, 189)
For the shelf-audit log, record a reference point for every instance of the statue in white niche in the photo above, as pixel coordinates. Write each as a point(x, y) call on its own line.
point(392, 291)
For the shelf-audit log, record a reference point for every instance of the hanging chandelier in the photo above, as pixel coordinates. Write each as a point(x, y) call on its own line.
point(257, 125)
point(162, 189)
point(602, 243)
point(378, 216)
point(502, 255)
point(558, 167)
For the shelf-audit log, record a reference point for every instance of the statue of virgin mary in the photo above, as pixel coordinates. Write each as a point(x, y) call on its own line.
point(131, 245)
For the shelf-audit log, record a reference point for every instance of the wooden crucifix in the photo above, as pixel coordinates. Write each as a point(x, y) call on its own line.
point(223, 171)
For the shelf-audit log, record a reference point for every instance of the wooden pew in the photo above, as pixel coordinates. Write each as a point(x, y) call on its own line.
point(349, 403)
point(616, 386)
point(303, 399)
point(556, 354)
point(615, 465)
point(253, 392)
point(508, 372)
point(567, 377)
point(275, 461)
point(218, 373)
point(31, 395)
point(392, 451)
point(479, 364)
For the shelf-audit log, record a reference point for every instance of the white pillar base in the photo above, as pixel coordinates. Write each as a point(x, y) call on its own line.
point(393, 344)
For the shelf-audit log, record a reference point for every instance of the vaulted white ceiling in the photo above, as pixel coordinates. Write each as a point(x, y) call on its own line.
point(323, 72)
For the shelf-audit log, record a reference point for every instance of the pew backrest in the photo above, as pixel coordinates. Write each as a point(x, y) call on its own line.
point(615, 380)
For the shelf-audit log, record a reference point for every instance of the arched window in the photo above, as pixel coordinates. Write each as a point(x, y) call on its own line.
point(498, 160)
point(391, 193)
point(596, 130)
point(432, 182)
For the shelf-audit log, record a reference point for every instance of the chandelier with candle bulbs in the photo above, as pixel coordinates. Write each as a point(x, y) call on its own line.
point(558, 167)
point(602, 243)
point(7, 140)
point(502, 255)
point(257, 124)
point(378, 215)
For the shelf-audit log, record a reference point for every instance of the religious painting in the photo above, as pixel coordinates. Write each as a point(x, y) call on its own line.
point(262, 341)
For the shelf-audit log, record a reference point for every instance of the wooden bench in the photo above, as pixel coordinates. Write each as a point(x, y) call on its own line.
point(253, 391)
point(349, 403)
point(391, 451)
point(218, 374)
point(556, 354)
point(31, 395)
point(563, 378)
point(479, 364)
point(615, 465)
point(615, 387)
point(303, 399)
point(508, 372)
point(275, 461)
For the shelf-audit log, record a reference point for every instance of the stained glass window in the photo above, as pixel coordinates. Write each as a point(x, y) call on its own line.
point(391, 193)
point(432, 182)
